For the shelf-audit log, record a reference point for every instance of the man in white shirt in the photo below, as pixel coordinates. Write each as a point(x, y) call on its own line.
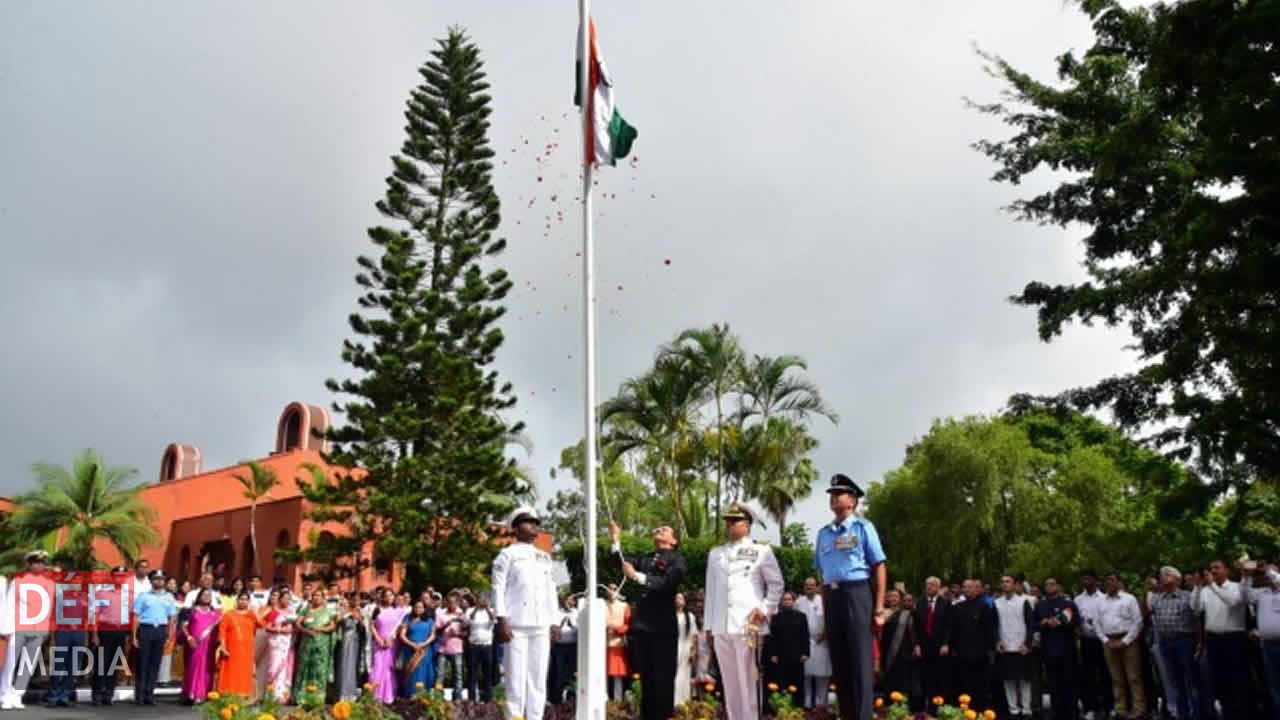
point(206, 583)
point(524, 602)
point(817, 669)
point(1265, 598)
point(1225, 643)
point(1095, 679)
point(1119, 620)
point(744, 584)
point(1013, 622)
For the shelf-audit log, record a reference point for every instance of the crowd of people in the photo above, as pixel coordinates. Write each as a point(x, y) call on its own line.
point(1194, 646)
point(245, 638)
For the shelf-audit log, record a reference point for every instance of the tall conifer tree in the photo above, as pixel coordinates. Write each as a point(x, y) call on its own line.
point(424, 410)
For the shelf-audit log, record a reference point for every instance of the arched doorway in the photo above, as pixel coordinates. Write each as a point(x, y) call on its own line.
point(184, 563)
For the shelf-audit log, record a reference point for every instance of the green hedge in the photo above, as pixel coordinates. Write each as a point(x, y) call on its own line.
point(796, 562)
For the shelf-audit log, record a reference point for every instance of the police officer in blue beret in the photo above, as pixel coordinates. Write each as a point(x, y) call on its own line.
point(849, 557)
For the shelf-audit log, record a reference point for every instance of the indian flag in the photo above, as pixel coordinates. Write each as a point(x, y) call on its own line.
point(611, 136)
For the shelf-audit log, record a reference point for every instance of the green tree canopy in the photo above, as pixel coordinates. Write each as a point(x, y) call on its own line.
point(73, 508)
point(1162, 141)
point(424, 412)
point(1042, 492)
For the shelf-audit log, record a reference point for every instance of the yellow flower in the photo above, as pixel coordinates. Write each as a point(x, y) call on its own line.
point(709, 686)
point(439, 686)
point(368, 687)
point(937, 700)
point(773, 687)
point(226, 713)
point(964, 699)
point(419, 685)
point(266, 716)
point(896, 696)
point(970, 715)
point(234, 708)
point(879, 703)
point(213, 695)
point(635, 676)
point(988, 715)
point(791, 688)
point(342, 710)
point(311, 688)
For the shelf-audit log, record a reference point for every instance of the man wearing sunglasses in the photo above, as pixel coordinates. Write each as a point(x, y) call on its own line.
point(653, 623)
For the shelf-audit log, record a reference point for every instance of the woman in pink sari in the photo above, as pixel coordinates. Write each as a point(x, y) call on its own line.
point(279, 652)
point(382, 671)
point(199, 635)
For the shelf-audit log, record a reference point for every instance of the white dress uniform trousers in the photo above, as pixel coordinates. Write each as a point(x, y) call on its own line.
point(742, 577)
point(524, 594)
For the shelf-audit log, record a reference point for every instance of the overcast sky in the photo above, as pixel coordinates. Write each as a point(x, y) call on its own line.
point(184, 188)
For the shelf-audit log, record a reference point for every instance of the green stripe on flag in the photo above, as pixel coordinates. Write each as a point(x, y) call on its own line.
point(621, 135)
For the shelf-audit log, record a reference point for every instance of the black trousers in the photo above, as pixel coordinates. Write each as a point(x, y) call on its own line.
point(935, 678)
point(481, 666)
point(655, 661)
point(1228, 661)
point(564, 663)
point(973, 678)
point(151, 639)
point(1061, 673)
point(848, 609)
point(110, 643)
point(1095, 679)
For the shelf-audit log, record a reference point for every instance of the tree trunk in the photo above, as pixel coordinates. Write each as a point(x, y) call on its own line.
point(719, 462)
point(253, 534)
point(782, 527)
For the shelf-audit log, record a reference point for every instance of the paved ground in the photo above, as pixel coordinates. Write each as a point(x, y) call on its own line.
point(164, 710)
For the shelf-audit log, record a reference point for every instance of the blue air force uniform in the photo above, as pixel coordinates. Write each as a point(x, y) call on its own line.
point(846, 554)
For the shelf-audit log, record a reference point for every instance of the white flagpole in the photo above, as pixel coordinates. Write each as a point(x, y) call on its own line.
point(591, 642)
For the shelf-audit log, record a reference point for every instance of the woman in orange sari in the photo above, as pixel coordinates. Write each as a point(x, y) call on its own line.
point(236, 633)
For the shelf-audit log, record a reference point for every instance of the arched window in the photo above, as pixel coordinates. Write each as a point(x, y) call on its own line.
point(184, 563)
point(293, 431)
point(247, 558)
point(281, 568)
point(169, 466)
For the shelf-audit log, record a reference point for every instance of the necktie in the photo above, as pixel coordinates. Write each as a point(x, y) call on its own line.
point(928, 619)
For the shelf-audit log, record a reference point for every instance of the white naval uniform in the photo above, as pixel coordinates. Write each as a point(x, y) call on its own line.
point(742, 577)
point(524, 594)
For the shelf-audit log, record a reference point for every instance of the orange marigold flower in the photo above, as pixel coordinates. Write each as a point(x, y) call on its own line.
point(773, 687)
point(937, 700)
point(896, 696)
point(342, 710)
point(709, 686)
point(213, 695)
point(791, 688)
point(879, 703)
point(964, 699)
point(226, 714)
point(988, 715)
point(635, 676)
point(970, 715)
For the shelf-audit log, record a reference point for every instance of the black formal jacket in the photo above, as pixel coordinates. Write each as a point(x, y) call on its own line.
point(655, 609)
point(1059, 642)
point(788, 637)
point(972, 630)
point(931, 644)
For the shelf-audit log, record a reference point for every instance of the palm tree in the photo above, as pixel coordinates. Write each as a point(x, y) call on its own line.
point(72, 509)
point(656, 413)
point(768, 388)
point(257, 485)
point(715, 354)
point(780, 473)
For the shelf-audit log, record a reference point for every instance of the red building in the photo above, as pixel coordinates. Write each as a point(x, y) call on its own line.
point(203, 517)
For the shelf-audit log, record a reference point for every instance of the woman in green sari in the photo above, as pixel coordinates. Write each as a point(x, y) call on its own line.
point(315, 654)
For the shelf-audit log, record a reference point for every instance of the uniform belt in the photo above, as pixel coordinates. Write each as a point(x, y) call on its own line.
point(153, 625)
point(845, 584)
